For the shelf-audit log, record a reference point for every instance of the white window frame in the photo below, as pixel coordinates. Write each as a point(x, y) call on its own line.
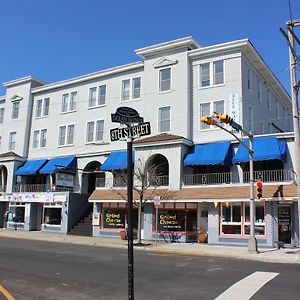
point(160, 120)
point(205, 77)
point(35, 139)
point(212, 108)
point(68, 103)
point(92, 131)
point(136, 90)
point(42, 107)
point(2, 110)
point(93, 97)
point(215, 73)
point(12, 141)
point(211, 76)
point(43, 138)
point(15, 110)
point(100, 98)
point(129, 93)
point(161, 82)
point(66, 139)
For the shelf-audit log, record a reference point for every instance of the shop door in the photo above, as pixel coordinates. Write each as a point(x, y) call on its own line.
point(285, 223)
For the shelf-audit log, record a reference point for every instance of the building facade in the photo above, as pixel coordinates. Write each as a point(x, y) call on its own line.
point(57, 158)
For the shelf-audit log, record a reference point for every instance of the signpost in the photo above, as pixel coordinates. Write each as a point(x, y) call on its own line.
point(129, 116)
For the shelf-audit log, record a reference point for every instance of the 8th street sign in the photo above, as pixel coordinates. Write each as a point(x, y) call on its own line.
point(132, 131)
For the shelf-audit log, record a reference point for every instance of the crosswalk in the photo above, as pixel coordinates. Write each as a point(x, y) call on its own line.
point(248, 286)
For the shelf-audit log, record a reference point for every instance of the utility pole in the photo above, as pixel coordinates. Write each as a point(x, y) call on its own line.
point(291, 37)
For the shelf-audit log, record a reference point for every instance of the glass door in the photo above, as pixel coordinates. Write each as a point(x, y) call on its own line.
point(285, 223)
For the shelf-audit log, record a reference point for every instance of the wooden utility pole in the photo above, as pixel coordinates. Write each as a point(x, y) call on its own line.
point(294, 59)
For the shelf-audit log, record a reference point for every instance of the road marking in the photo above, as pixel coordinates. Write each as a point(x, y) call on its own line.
point(6, 294)
point(248, 286)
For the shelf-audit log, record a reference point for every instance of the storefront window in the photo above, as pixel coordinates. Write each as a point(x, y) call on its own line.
point(52, 215)
point(231, 218)
point(16, 213)
point(191, 220)
point(259, 219)
point(115, 218)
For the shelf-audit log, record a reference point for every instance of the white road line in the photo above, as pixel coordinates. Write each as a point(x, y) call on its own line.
point(247, 287)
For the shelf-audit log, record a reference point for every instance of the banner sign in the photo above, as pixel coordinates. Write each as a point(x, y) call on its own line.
point(30, 197)
point(113, 218)
point(170, 220)
point(126, 115)
point(63, 179)
point(137, 130)
point(234, 107)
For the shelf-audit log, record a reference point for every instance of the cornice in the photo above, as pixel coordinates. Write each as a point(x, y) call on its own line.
point(90, 76)
point(23, 80)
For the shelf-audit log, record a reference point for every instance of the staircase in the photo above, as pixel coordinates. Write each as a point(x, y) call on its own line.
point(84, 226)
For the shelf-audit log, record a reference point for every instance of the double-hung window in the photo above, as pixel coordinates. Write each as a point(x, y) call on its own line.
point(68, 102)
point(211, 73)
point(1, 115)
point(43, 138)
point(42, 107)
point(35, 140)
point(15, 109)
point(218, 72)
point(204, 110)
point(97, 96)
point(131, 89)
point(66, 135)
point(12, 141)
point(164, 119)
point(95, 131)
point(165, 80)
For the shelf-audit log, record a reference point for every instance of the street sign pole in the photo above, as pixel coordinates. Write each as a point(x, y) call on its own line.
point(129, 219)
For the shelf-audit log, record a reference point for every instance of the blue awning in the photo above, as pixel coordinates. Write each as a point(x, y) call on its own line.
point(31, 167)
point(67, 163)
point(116, 160)
point(265, 148)
point(218, 153)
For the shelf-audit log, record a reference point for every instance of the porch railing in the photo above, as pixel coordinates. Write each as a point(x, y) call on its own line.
point(238, 177)
point(34, 188)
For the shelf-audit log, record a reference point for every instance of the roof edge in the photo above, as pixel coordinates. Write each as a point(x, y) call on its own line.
point(23, 80)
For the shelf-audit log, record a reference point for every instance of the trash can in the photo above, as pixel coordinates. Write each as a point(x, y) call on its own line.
point(123, 234)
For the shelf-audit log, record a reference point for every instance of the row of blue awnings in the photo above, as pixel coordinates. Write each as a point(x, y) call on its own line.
point(44, 166)
point(220, 153)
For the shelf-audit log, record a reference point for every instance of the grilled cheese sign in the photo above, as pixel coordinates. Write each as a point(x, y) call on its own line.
point(129, 132)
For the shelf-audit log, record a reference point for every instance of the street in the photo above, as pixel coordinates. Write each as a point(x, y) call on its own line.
point(44, 270)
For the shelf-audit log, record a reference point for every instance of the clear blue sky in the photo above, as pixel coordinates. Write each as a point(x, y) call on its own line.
point(60, 39)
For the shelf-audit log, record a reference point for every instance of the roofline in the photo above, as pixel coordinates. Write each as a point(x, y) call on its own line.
point(182, 42)
point(23, 80)
point(90, 76)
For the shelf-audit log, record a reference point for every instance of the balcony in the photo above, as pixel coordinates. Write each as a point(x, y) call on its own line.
point(238, 177)
point(39, 188)
point(122, 182)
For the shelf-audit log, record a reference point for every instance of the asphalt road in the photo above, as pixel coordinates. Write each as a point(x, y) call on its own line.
point(42, 270)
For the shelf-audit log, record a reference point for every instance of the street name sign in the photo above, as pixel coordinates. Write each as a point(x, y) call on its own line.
point(131, 131)
point(236, 126)
point(126, 115)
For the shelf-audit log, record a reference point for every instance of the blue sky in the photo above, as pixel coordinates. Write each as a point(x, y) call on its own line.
point(60, 39)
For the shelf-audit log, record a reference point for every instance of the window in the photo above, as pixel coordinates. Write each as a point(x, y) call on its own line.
point(1, 115)
point(95, 134)
point(68, 102)
point(35, 140)
point(249, 79)
point(136, 86)
point(231, 218)
point(204, 75)
point(42, 107)
point(15, 110)
point(204, 110)
point(164, 119)
point(102, 94)
point(259, 90)
point(66, 135)
point(218, 72)
point(259, 218)
point(43, 138)
point(12, 141)
point(93, 97)
point(125, 89)
point(165, 80)
point(212, 73)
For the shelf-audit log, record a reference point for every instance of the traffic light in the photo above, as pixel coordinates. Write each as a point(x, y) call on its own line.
point(259, 186)
point(224, 118)
point(208, 120)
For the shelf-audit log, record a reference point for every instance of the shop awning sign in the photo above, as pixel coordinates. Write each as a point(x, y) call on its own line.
point(139, 130)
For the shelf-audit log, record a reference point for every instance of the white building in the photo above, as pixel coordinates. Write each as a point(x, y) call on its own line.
point(62, 131)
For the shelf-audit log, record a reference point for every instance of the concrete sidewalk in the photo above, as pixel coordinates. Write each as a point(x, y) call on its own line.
point(286, 255)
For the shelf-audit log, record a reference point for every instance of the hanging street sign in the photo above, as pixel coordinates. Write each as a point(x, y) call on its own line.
point(126, 115)
point(131, 131)
point(236, 126)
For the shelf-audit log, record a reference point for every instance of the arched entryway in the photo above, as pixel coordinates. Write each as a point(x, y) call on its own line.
point(158, 169)
point(92, 176)
point(3, 178)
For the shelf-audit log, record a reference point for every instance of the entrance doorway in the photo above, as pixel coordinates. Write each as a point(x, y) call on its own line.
point(285, 223)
